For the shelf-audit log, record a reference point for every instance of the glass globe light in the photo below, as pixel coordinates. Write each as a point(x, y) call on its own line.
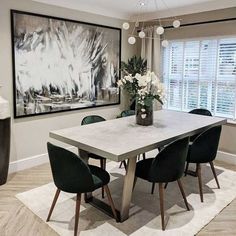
point(176, 23)
point(125, 26)
point(165, 43)
point(160, 30)
point(141, 34)
point(131, 40)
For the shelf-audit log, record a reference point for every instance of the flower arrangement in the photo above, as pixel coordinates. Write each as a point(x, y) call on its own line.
point(144, 87)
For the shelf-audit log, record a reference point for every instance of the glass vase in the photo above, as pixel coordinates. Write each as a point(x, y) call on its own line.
point(144, 113)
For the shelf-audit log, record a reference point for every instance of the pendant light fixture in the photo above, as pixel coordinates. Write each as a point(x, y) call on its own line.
point(160, 30)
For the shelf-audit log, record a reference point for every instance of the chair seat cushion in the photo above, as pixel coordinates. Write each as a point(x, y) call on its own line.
point(94, 156)
point(143, 167)
point(100, 176)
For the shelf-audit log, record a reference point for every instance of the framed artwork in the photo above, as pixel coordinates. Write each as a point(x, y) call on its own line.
point(63, 65)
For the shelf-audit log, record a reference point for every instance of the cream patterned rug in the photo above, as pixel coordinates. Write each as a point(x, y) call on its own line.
point(144, 213)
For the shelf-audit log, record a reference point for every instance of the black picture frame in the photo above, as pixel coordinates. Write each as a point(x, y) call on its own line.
point(23, 99)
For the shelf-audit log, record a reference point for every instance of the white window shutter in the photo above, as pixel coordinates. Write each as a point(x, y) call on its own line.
point(201, 74)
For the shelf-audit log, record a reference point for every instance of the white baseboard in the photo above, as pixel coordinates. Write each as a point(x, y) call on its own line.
point(226, 157)
point(30, 162)
point(43, 158)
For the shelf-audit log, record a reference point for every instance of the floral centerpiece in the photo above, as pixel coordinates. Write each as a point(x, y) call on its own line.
point(145, 88)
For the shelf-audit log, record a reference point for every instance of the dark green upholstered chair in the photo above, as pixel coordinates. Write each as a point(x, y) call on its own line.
point(167, 166)
point(71, 174)
point(199, 111)
point(203, 112)
point(204, 150)
point(127, 113)
point(89, 120)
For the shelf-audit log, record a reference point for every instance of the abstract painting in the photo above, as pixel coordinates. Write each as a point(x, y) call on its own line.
point(63, 65)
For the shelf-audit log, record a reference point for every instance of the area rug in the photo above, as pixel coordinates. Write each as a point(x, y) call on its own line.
point(144, 212)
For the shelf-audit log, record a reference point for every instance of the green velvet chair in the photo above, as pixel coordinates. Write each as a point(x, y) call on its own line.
point(71, 174)
point(167, 166)
point(203, 112)
point(204, 150)
point(127, 113)
point(199, 111)
point(89, 120)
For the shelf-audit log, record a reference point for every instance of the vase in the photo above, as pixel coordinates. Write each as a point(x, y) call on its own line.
point(5, 131)
point(144, 113)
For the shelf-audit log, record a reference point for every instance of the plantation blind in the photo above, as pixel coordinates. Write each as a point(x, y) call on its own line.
point(201, 74)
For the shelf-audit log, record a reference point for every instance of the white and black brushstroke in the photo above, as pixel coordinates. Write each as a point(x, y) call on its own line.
point(63, 65)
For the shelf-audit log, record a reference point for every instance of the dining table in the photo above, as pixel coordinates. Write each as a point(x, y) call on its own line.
point(122, 139)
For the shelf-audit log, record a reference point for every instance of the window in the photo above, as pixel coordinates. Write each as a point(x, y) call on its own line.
point(201, 74)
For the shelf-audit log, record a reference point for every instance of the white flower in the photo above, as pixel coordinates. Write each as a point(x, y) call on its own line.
point(123, 81)
point(129, 78)
point(142, 81)
point(143, 116)
point(137, 76)
point(119, 83)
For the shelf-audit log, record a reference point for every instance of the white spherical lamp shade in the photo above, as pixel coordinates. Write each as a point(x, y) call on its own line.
point(165, 43)
point(160, 30)
point(131, 40)
point(176, 23)
point(125, 26)
point(141, 34)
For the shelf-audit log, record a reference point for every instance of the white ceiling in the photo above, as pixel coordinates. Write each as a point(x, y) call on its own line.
point(128, 9)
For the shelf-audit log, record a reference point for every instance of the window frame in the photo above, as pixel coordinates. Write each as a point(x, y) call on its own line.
point(199, 39)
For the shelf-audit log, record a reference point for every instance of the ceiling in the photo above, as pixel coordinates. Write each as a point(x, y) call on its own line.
point(129, 9)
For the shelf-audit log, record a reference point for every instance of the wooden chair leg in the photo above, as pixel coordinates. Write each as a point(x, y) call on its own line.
point(111, 202)
point(125, 165)
point(103, 166)
point(186, 169)
point(144, 156)
point(183, 193)
point(153, 188)
point(200, 180)
point(53, 204)
point(161, 195)
point(77, 210)
point(214, 173)
point(166, 184)
point(120, 164)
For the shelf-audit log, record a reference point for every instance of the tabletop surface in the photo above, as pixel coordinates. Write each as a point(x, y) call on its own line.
point(122, 138)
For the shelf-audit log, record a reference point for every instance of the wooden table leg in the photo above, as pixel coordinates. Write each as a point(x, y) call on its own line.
point(128, 189)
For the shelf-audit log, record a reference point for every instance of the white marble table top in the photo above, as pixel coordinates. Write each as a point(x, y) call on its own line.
point(122, 138)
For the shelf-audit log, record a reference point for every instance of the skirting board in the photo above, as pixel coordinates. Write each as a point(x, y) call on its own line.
point(226, 157)
point(30, 162)
point(43, 158)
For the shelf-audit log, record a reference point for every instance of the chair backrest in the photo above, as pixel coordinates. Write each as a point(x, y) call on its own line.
point(127, 113)
point(70, 172)
point(92, 119)
point(204, 147)
point(169, 164)
point(201, 111)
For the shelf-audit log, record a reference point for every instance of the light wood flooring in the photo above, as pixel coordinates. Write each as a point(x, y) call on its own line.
point(18, 220)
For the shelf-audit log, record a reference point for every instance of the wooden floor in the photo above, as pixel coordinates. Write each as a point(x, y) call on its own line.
point(16, 219)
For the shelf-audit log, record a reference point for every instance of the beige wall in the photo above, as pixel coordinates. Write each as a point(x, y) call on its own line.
point(29, 135)
point(228, 137)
